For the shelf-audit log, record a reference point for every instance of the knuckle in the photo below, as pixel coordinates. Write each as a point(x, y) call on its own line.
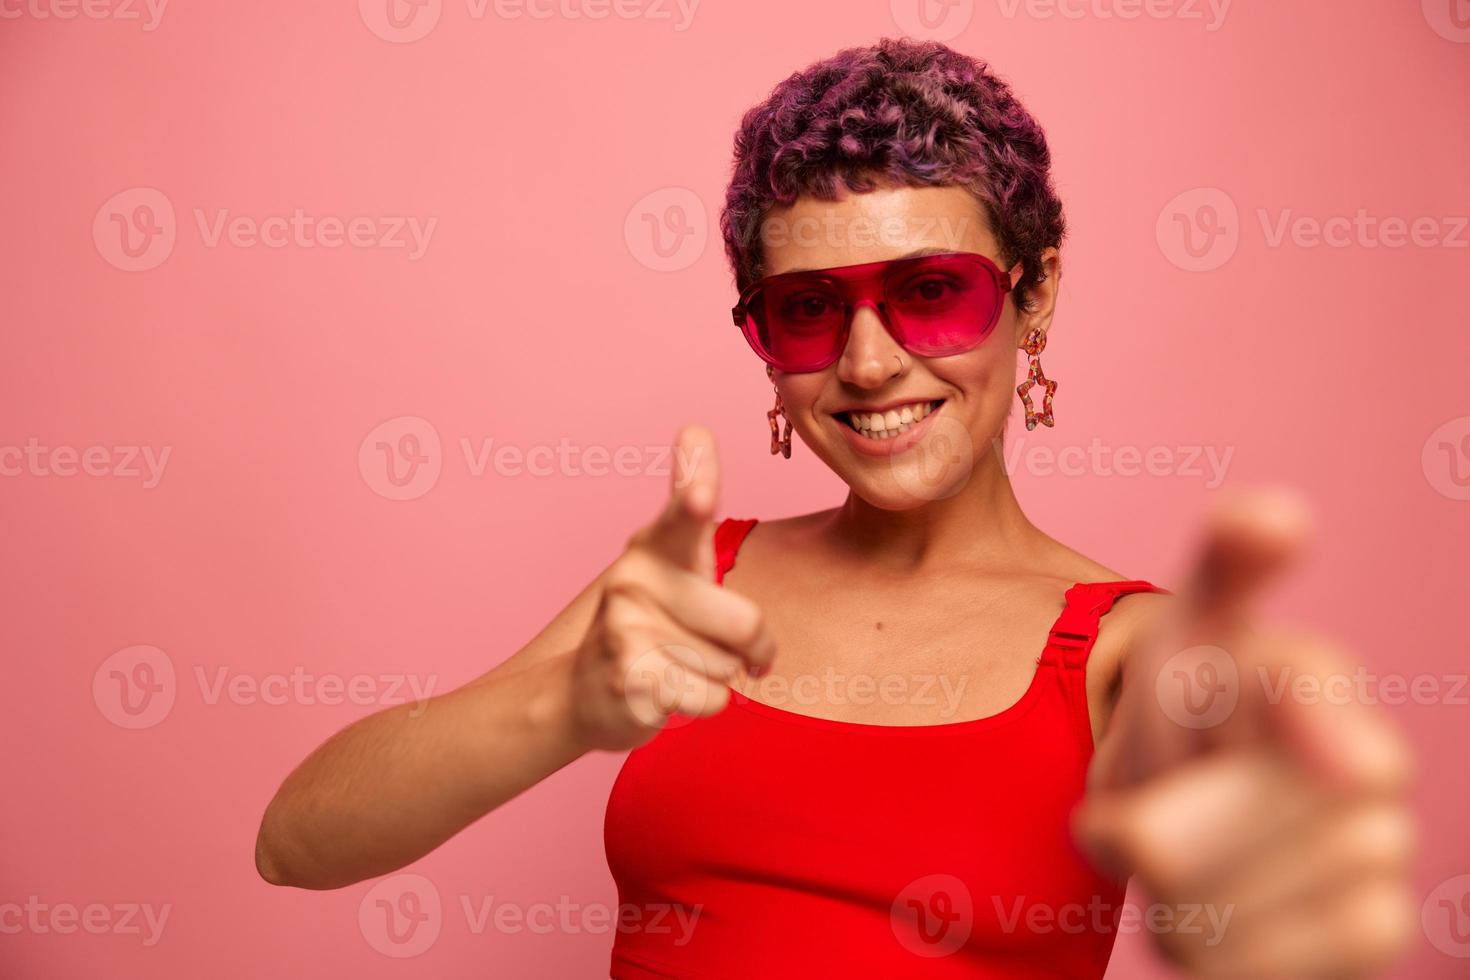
point(714, 699)
point(639, 539)
point(1170, 872)
point(748, 624)
point(621, 614)
point(748, 630)
point(1379, 921)
point(627, 570)
point(1383, 836)
point(638, 573)
point(637, 669)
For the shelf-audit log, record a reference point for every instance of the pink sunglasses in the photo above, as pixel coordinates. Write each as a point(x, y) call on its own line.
point(933, 305)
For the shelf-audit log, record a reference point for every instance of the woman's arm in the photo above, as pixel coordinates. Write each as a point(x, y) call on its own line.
point(651, 635)
point(1229, 788)
point(390, 788)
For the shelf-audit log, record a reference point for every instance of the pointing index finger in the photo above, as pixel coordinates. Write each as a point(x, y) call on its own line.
point(681, 533)
point(1251, 537)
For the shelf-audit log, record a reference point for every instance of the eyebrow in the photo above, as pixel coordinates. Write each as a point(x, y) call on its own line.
point(915, 254)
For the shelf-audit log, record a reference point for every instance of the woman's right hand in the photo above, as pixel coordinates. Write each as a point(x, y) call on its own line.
point(665, 637)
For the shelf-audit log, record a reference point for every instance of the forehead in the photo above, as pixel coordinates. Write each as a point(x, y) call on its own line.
point(882, 224)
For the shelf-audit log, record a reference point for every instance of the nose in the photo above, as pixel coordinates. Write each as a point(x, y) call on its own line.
point(872, 357)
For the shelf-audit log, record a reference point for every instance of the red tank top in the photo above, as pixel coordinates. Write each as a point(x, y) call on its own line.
point(762, 842)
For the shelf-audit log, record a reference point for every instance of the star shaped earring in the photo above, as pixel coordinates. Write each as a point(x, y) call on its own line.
point(1034, 344)
point(779, 443)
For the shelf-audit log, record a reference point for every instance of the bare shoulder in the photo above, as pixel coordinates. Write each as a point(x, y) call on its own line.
point(785, 534)
point(1119, 631)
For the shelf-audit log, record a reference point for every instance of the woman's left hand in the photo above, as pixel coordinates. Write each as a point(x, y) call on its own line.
point(1260, 801)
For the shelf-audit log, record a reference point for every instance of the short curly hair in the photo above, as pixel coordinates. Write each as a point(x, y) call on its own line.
point(894, 113)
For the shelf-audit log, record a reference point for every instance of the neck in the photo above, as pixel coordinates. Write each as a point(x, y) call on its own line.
point(980, 524)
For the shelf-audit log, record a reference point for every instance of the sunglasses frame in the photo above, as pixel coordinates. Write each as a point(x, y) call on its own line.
point(865, 272)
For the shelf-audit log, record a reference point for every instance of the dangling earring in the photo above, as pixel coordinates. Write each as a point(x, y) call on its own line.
point(1033, 345)
point(779, 443)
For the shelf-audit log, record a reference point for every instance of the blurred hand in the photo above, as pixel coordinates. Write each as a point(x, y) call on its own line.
point(1238, 774)
point(665, 637)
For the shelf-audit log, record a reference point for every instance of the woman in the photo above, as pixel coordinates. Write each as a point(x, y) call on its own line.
point(861, 747)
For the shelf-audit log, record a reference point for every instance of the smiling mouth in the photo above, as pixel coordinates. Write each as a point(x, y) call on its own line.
point(894, 422)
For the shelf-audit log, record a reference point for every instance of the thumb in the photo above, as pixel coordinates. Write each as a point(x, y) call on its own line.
point(681, 533)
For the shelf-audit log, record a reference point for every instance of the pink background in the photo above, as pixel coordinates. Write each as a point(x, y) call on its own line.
point(542, 310)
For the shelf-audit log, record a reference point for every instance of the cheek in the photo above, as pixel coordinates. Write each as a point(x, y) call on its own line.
point(800, 391)
point(984, 375)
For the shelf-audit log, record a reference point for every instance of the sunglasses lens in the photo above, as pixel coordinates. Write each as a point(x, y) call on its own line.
point(934, 305)
point(943, 304)
point(796, 322)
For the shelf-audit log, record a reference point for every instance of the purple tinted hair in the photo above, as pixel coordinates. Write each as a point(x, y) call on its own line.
point(898, 112)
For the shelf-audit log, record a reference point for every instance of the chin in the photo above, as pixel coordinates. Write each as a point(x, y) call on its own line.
point(934, 464)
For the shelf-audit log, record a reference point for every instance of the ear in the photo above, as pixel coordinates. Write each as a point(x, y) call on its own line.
point(1041, 298)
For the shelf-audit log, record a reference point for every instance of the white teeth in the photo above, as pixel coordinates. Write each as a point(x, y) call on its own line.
point(885, 425)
